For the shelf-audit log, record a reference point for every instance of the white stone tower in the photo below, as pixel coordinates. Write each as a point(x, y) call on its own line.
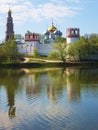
point(72, 35)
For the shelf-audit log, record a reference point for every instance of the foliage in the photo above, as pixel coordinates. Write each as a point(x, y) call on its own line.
point(9, 52)
point(61, 39)
point(35, 52)
point(93, 38)
point(83, 49)
point(53, 55)
point(59, 49)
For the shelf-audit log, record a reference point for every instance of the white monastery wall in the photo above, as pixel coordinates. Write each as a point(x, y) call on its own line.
point(44, 49)
point(28, 48)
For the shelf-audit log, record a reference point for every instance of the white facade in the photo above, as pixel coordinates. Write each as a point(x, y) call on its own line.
point(32, 41)
point(71, 40)
point(28, 48)
point(44, 49)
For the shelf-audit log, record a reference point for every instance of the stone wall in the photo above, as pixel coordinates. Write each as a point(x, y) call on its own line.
point(28, 48)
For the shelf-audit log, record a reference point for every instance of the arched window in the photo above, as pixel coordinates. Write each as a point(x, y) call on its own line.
point(72, 32)
point(76, 32)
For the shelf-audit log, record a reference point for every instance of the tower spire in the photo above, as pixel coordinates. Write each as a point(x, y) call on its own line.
point(9, 26)
point(52, 21)
point(9, 12)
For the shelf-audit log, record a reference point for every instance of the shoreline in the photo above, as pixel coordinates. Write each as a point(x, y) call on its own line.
point(47, 64)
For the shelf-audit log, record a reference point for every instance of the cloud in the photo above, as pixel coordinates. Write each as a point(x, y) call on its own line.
point(66, 1)
point(1, 24)
point(52, 11)
point(25, 9)
point(76, 1)
point(9, 1)
point(20, 8)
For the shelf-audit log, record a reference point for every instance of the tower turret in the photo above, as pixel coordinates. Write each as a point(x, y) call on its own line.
point(72, 35)
point(9, 27)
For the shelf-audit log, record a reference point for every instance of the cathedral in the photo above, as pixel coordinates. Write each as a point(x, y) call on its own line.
point(32, 41)
point(51, 34)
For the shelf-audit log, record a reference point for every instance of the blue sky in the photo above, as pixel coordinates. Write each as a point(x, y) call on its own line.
point(36, 15)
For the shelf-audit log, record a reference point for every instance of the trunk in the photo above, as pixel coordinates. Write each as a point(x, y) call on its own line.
point(63, 59)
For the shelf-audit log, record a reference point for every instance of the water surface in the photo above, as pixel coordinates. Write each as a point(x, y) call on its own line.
point(49, 99)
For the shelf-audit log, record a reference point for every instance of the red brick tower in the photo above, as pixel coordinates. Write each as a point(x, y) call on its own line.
point(9, 27)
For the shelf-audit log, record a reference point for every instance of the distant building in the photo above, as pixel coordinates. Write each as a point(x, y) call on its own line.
point(51, 34)
point(31, 41)
point(72, 35)
point(9, 27)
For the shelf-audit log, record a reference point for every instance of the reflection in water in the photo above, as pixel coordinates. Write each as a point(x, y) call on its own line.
point(11, 98)
point(9, 79)
point(56, 85)
point(29, 82)
point(73, 83)
point(51, 93)
point(49, 99)
point(11, 111)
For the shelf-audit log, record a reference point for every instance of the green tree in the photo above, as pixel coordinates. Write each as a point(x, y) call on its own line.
point(35, 54)
point(93, 38)
point(59, 49)
point(9, 52)
point(83, 49)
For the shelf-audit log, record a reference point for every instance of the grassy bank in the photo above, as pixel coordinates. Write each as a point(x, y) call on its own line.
point(48, 64)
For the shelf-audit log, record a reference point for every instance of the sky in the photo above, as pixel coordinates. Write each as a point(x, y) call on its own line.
point(37, 15)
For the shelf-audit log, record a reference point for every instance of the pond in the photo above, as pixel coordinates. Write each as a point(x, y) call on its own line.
point(49, 99)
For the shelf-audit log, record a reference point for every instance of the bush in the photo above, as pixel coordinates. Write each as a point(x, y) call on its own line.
point(35, 54)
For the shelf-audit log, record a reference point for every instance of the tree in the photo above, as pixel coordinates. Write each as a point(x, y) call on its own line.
point(93, 38)
point(83, 49)
point(35, 54)
point(9, 52)
point(59, 49)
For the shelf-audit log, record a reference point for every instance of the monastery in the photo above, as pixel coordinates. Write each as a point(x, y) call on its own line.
point(31, 41)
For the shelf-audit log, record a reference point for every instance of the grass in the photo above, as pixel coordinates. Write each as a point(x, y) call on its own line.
point(41, 61)
point(36, 60)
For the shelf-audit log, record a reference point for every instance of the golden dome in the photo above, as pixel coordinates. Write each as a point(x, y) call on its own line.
point(9, 12)
point(52, 28)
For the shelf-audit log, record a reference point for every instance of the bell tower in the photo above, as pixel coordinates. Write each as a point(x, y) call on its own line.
point(9, 27)
point(72, 35)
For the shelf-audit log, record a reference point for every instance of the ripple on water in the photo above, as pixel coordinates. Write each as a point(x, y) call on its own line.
point(33, 99)
point(51, 118)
